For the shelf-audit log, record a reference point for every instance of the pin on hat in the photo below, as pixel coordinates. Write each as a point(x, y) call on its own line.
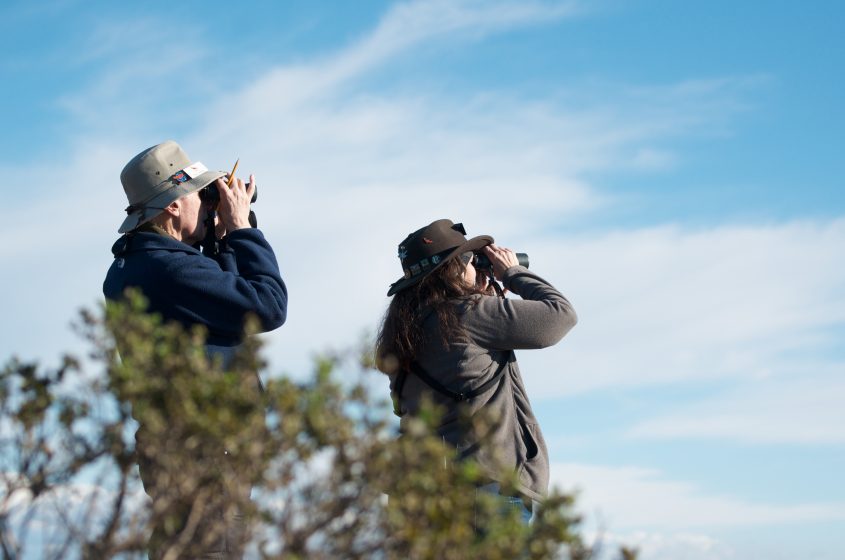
point(429, 248)
point(158, 176)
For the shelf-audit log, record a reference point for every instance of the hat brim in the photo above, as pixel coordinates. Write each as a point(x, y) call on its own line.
point(155, 206)
point(473, 244)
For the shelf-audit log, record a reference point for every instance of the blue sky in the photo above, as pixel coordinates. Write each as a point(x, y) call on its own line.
point(674, 168)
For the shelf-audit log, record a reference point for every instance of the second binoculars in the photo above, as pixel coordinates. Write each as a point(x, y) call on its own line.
point(481, 260)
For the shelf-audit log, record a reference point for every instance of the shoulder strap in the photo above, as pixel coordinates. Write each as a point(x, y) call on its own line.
point(443, 390)
point(396, 393)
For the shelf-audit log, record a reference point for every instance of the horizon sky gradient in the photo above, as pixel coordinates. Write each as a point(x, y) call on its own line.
point(674, 168)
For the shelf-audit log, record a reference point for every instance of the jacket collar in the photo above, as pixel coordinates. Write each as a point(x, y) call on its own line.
point(136, 241)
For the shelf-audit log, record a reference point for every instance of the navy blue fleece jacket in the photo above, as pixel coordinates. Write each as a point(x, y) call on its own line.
point(184, 285)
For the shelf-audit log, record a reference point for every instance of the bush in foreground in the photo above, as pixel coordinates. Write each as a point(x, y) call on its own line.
point(320, 456)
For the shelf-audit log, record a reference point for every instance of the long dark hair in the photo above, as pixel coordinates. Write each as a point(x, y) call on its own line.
point(401, 333)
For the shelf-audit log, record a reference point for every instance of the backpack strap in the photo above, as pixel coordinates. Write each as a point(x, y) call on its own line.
point(417, 369)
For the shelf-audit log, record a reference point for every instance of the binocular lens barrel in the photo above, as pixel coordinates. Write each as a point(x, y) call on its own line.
point(481, 260)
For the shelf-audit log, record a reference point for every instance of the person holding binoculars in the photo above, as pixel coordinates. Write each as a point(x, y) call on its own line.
point(172, 206)
point(176, 208)
point(447, 334)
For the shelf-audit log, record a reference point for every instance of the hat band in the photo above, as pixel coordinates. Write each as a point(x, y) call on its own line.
point(182, 176)
point(426, 264)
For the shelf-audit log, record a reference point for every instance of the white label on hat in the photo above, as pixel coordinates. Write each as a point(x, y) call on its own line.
point(195, 170)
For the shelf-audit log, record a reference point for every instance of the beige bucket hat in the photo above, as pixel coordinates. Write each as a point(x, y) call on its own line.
point(158, 176)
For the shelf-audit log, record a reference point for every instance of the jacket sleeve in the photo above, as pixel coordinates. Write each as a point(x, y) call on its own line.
point(205, 292)
point(540, 319)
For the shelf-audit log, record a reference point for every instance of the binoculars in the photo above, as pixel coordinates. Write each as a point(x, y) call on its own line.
point(210, 194)
point(481, 260)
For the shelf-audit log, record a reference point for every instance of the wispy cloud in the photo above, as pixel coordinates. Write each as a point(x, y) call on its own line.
point(800, 411)
point(633, 498)
point(667, 304)
point(351, 171)
point(137, 70)
point(345, 170)
point(664, 546)
point(404, 26)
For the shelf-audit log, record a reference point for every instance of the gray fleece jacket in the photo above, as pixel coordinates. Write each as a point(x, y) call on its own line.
point(494, 326)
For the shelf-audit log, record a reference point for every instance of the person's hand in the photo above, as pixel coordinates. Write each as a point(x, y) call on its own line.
point(501, 259)
point(233, 210)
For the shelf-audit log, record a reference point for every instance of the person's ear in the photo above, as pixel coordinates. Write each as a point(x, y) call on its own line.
point(174, 208)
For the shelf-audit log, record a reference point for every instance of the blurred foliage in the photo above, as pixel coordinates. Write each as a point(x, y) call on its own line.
point(320, 457)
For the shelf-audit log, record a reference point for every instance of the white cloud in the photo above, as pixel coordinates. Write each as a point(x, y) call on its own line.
point(665, 546)
point(137, 70)
point(348, 172)
point(344, 173)
point(649, 158)
point(629, 498)
point(668, 304)
point(805, 411)
point(403, 26)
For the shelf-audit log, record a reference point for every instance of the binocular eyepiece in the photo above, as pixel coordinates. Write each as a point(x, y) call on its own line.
point(481, 260)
